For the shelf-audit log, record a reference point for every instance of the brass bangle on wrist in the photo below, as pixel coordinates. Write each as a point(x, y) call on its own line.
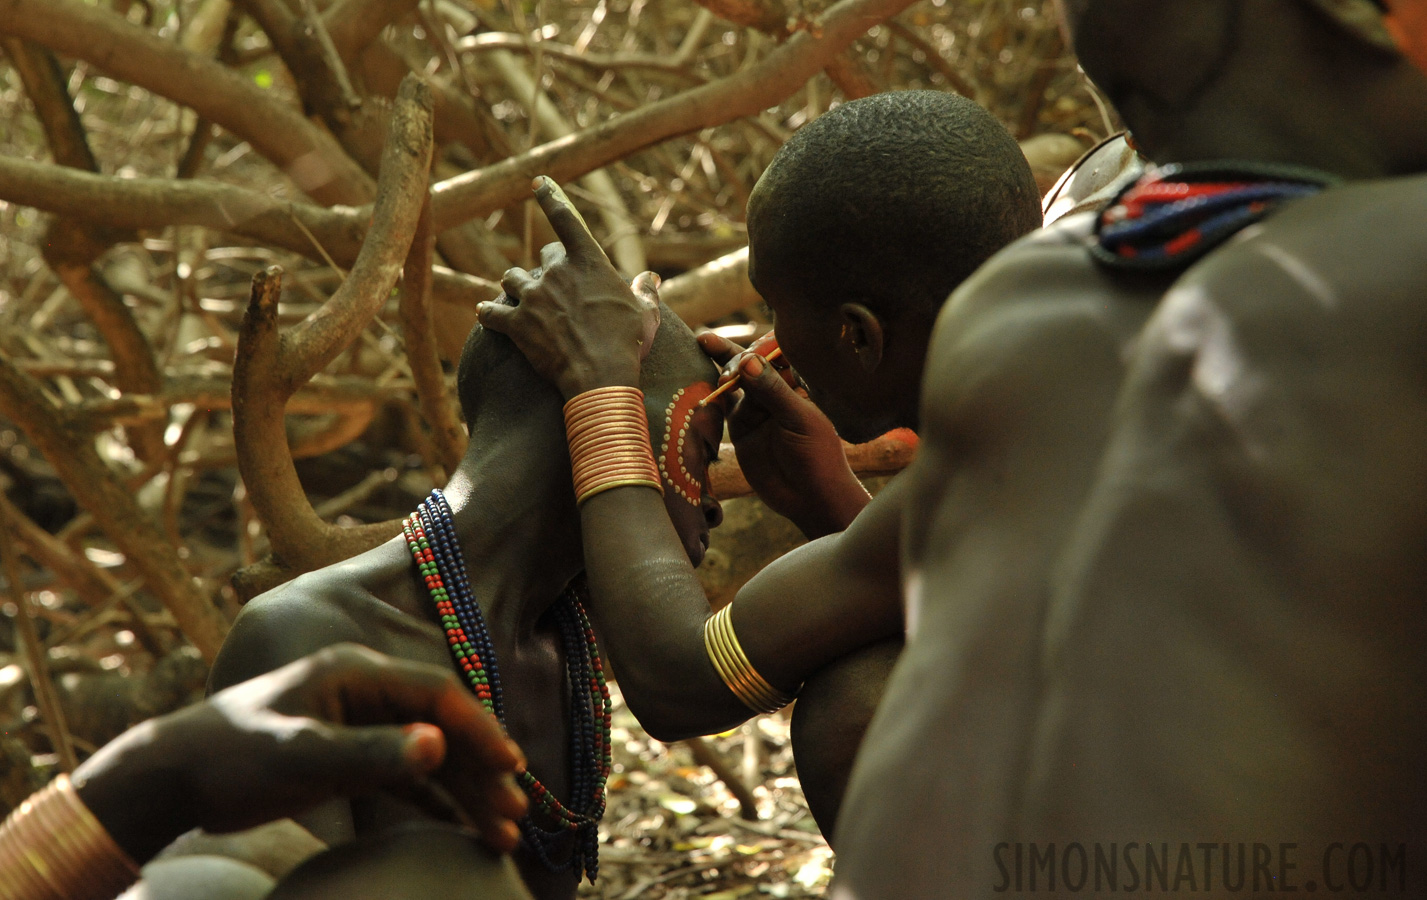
point(52, 848)
point(608, 433)
point(732, 665)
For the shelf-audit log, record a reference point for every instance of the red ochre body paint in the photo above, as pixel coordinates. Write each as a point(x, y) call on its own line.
point(676, 431)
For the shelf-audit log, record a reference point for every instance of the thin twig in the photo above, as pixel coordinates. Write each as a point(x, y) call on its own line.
point(36, 659)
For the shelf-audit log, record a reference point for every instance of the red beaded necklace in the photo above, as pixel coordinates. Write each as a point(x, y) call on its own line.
point(430, 536)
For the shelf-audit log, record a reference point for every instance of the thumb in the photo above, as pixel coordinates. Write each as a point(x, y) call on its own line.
point(646, 289)
point(498, 317)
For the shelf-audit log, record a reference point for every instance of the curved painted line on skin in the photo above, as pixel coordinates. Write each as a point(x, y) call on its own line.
point(677, 416)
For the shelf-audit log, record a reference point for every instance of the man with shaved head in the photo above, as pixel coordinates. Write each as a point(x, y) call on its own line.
point(1216, 683)
point(1162, 543)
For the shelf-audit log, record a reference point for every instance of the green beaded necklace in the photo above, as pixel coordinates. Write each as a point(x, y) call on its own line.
point(430, 536)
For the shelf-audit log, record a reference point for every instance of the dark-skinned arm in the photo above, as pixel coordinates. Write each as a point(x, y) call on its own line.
point(343, 721)
point(582, 327)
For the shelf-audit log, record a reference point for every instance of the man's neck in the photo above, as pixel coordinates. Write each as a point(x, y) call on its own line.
point(516, 520)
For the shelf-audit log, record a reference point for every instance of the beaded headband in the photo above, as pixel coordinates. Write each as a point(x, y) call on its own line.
point(677, 417)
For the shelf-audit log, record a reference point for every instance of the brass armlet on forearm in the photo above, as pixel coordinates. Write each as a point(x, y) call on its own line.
point(733, 666)
point(52, 848)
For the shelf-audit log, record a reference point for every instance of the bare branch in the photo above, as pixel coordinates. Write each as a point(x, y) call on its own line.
point(355, 24)
point(271, 365)
point(846, 72)
point(68, 444)
point(768, 16)
point(493, 40)
point(419, 330)
point(745, 93)
point(310, 156)
point(406, 163)
point(934, 58)
point(627, 251)
point(71, 247)
point(711, 291)
point(36, 658)
point(94, 585)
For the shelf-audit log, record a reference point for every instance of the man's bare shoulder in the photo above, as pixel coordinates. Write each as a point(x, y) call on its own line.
point(1353, 251)
point(1043, 303)
point(331, 605)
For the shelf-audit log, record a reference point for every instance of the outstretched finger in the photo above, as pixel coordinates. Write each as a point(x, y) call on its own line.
point(569, 225)
point(720, 349)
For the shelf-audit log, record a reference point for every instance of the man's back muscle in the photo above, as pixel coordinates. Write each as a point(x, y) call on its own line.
point(1234, 651)
point(1020, 380)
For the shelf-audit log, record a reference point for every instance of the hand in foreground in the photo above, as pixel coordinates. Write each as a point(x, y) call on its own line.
point(580, 325)
point(342, 722)
point(787, 448)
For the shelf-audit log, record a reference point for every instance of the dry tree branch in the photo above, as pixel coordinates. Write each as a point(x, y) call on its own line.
point(320, 77)
point(141, 203)
point(36, 658)
point(356, 24)
point(271, 365)
point(767, 16)
point(847, 75)
point(71, 246)
point(746, 93)
point(419, 331)
point(934, 58)
point(627, 251)
point(712, 291)
point(310, 156)
point(491, 40)
point(95, 586)
point(68, 443)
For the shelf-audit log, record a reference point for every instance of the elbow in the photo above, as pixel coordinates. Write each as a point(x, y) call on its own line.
point(669, 716)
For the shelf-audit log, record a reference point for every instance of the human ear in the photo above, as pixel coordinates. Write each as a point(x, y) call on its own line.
point(862, 336)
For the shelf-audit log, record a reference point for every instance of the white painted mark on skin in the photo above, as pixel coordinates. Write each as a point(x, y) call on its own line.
point(1316, 286)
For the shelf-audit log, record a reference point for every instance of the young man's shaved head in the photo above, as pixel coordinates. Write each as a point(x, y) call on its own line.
point(862, 226)
point(897, 197)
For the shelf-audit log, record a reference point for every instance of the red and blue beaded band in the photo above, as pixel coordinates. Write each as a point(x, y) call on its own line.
point(431, 537)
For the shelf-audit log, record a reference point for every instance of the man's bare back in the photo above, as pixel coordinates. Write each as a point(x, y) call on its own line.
point(1021, 378)
point(1238, 621)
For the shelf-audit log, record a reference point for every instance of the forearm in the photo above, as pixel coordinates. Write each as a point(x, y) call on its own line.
point(650, 610)
point(132, 787)
point(833, 509)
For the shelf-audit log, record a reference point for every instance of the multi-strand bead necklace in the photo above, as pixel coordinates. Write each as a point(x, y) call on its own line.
point(1178, 213)
point(431, 537)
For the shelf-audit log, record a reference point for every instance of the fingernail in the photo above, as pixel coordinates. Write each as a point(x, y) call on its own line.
point(481, 310)
point(753, 366)
point(425, 745)
point(537, 182)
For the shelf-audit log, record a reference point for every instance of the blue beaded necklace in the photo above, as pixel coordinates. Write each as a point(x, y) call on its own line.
point(1176, 214)
point(431, 537)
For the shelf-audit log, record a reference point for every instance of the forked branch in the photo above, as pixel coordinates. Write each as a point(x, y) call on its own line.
point(271, 365)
